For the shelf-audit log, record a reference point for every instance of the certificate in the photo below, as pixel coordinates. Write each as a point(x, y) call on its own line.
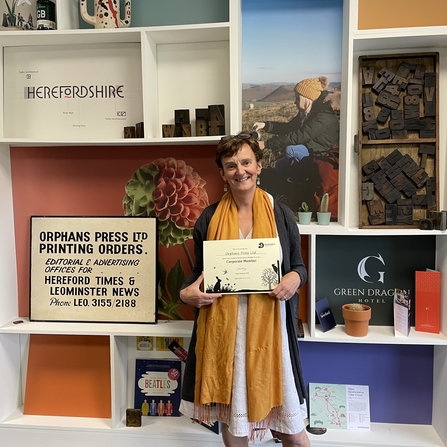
point(241, 265)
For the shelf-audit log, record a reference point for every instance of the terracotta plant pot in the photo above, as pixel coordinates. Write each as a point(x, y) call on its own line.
point(356, 321)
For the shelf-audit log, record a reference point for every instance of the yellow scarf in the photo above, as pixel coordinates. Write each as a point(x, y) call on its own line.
point(216, 331)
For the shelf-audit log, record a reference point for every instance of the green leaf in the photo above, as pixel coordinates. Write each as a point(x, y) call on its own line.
point(176, 278)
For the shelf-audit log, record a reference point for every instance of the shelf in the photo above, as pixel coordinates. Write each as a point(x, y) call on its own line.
point(378, 335)
point(162, 329)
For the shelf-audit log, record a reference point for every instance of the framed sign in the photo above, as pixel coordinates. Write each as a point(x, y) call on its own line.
point(93, 269)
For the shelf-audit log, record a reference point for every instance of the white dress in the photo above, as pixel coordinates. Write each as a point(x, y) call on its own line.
point(293, 414)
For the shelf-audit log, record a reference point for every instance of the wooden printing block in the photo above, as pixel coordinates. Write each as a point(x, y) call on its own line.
point(420, 178)
point(412, 124)
point(409, 190)
point(404, 219)
point(396, 114)
point(369, 126)
point(133, 417)
point(201, 128)
point(388, 100)
point(393, 89)
point(397, 124)
point(411, 110)
point(376, 212)
point(186, 130)
point(394, 157)
point(181, 116)
point(386, 73)
point(405, 207)
point(414, 89)
point(399, 134)
point(367, 191)
point(401, 82)
point(383, 114)
point(410, 167)
point(390, 214)
point(368, 113)
point(419, 72)
point(400, 181)
point(217, 119)
point(430, 190)
point(380, 85)
point(368, 75)
point(393, 171)
point(392, 195)
point(383, 163)
point(383, 134)
point(168, 130)
point(404, 69)
point(424, 151)
point(367, 99)
point(420, 200)
point(428, 128)
point(139, 130)
point(129, 132)
point(370, 167)
point(372, 135)
point(378, 177)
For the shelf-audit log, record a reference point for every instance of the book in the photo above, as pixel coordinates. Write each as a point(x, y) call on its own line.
point(158, 387)
point(428, 301)
point(402, 312)
point(325, 315)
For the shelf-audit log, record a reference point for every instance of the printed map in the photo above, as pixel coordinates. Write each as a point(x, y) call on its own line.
point(327, 405)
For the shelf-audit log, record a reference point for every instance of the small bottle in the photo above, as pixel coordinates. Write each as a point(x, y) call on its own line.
point(46, 14)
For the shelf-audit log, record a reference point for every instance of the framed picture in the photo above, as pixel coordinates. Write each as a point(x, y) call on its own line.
point(93, 269)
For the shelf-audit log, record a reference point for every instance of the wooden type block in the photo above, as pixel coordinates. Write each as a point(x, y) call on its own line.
point(396, 114)
point(168, 130)
point(369, 126)
point(404, 162)
point(429, 108)
point(384, 187)
point(413, 124)
point(181, 116)
point(420, 178)
point(388, 100)
point(392, 195)
point(397, 124)
point(383, 163)
point(404, 202)
point(393, 171)
point(367, 99)
point(420, 200)
point(428, 128)
point(394, 157)
point(400, 82)
point(383, 134)
point(390, 214)
point(410, 168)
point(415, 81)
point(383, 114)
point(409, 190)
point(400, 181)
point(411, 110)
point(430, 79)
point(368, 113)
point(133, 417)
point(399, 134)
point(415, 89)
point(186, 130)
point(139, 130)
point(203, 114)
point(367, 191)
point(378, 177)
point(370, 167)
point(424, 151)
point(430, 190)
point(387, 74)
point(404, 69)
point(367, 178)
point(393, 89)
point(217, 119)
point(405, 210)
point(201, 128)
point(129, 132)
point(372, 135)
point(178, 131)
point(405, 220)
point(376, 212)
point(380, 85)
point(420, 71)
point(368, 75)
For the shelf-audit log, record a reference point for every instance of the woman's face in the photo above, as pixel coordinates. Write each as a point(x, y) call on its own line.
point(300, 102)
point(241, 170)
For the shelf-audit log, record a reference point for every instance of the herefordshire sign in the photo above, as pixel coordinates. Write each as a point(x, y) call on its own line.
point(93, 269)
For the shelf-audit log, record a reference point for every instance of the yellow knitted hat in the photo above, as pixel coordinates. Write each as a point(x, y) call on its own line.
point(311, 88)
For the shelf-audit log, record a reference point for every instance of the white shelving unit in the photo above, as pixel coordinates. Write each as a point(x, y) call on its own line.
point(206, 52)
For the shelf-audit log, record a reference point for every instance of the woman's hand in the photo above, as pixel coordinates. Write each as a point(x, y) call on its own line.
point(194, 296)
point(287, 287)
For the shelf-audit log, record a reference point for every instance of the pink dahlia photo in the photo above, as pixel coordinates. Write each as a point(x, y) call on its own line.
point(171, 191)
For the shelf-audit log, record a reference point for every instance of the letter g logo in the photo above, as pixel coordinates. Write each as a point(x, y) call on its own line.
point(363, 274)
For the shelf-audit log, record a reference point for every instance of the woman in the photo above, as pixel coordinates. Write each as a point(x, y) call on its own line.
point(243, 365)
point(314, 129)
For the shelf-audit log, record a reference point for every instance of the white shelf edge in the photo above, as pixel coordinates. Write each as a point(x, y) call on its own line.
point(178, 328)
point(378, 335)
point(118, 142)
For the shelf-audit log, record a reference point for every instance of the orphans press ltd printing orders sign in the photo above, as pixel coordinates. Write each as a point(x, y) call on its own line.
point(93, 269)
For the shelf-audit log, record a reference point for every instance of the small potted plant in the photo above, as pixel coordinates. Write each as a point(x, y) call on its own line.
point(324, 216)
point(304, 215)
point(356, 316)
